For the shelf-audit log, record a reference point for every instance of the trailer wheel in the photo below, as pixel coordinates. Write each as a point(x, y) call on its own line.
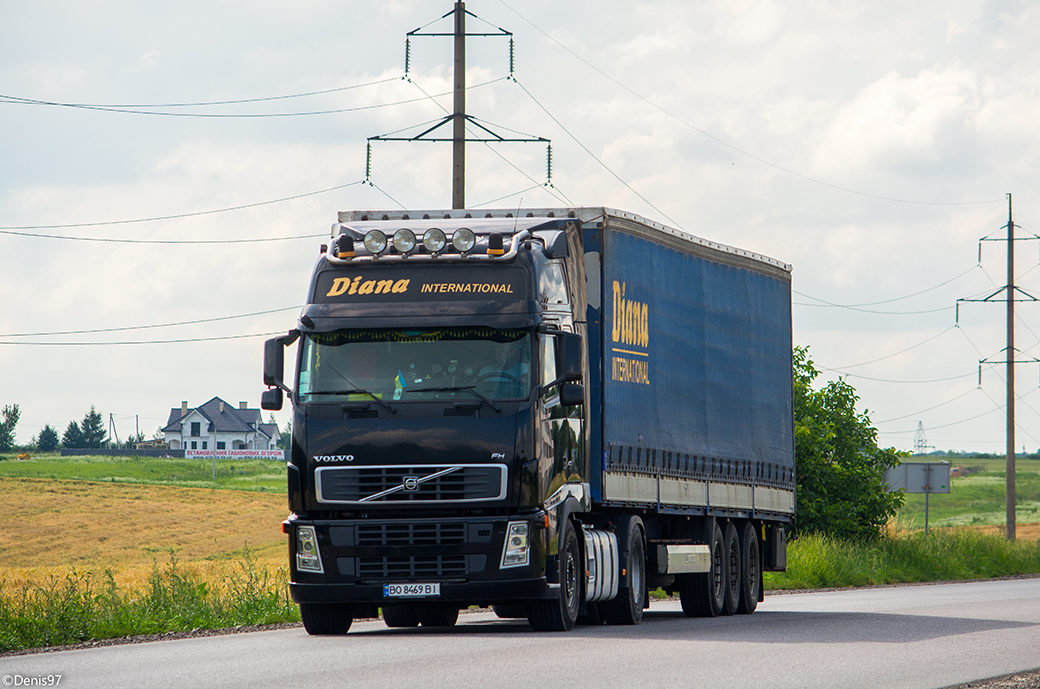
point(702, 595)
point(627, 606)
point(751, 569)
point(734, 576)
point(400, 616)
point(438, 616)
point(326, 618)
point(560, 614)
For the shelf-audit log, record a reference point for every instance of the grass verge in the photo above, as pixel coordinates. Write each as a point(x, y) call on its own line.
point(90, 605)
point(817, 561)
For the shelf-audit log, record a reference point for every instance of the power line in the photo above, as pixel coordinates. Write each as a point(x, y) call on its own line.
point(593, 155)
point(35, 101)
point(137, 111)
point(142, 342)
point(155, 325)
point(824, 302)
point(15, 229)
point(898, 382)
point(732, 147)
point(902, 351)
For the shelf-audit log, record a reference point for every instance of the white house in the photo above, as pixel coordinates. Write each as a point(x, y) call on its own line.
point(217, 425)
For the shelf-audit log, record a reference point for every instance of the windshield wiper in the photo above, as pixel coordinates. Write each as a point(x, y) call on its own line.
point(356, 391)
point(467, 388)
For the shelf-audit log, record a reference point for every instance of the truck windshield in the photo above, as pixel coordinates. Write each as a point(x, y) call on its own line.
point(415, 365)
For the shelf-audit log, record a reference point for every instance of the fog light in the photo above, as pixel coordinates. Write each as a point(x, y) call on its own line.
point(463, 239)
point(516, 551)
point(308, 559)
point(375, 242)
point(404, 241)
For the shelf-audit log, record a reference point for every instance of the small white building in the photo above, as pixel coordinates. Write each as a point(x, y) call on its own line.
point(217, 425)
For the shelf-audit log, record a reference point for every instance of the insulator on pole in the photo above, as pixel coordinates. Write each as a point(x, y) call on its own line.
point(980, 253)
point(407, 55)
point(957, 314)
point(368, 160)
point(980, 375)
point(512, 56)
point(548, 165)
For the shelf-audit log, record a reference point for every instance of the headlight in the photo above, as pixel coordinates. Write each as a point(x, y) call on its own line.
point(516, 551)
point(375, 242)
point(404, 241)
point(308, 559)
point(463, 239)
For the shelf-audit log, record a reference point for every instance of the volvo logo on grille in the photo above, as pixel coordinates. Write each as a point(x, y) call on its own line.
point(411, 483)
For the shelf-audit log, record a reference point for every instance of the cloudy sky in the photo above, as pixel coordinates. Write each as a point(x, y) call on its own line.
point(869, 144)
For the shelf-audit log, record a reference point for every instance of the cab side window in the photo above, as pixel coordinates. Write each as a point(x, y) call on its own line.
point(552, 285)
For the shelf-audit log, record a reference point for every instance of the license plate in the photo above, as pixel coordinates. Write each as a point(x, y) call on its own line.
point(411, 590)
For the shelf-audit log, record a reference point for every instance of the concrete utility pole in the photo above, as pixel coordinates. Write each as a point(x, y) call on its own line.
point(458, 153)
point(1010, 358)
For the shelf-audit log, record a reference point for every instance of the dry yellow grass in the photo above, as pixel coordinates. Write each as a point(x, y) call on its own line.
point(54, 527)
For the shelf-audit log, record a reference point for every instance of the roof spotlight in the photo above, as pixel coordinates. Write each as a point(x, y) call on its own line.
point(404, 240)
point(463, 239)
point(434, 240)
point(375, 242)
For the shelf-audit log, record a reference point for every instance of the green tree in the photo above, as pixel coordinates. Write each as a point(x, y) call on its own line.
point(73, 436)
point(840, 468)
point(93, 428)
point(48, 439)
point(8, 420)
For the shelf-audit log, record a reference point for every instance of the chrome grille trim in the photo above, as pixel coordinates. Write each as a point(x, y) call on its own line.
point(385, 484)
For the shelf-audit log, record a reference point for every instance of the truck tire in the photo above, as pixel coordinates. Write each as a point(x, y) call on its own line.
point(734, 576)
point(559, 614)
point(702, 595)
point(400, 616)
point(751, 569)
point(438, 616)
point(326, 618)
point(627, 606)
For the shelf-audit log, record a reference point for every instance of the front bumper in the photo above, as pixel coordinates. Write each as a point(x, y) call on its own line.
point(462, 555)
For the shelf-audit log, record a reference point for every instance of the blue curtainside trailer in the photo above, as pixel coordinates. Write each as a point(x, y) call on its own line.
point(549, 414)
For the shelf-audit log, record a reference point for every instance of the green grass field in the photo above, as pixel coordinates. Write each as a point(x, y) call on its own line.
point(261, 475)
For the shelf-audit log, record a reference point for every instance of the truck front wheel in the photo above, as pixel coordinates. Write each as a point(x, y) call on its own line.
point(559, 614)
point(326, 618)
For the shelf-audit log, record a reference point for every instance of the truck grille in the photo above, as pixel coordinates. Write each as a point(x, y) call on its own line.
point(411, 534)
point(434, 566)
point(414, 484)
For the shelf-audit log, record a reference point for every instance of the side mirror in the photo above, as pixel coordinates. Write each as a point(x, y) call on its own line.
point(274, 362)
point(271, 399)
point(571, 394)
point(568, 356)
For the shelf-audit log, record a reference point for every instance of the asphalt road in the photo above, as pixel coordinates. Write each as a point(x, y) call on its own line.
point(915, 637)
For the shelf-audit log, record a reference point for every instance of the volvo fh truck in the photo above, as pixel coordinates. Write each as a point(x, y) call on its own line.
point(550, 412)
